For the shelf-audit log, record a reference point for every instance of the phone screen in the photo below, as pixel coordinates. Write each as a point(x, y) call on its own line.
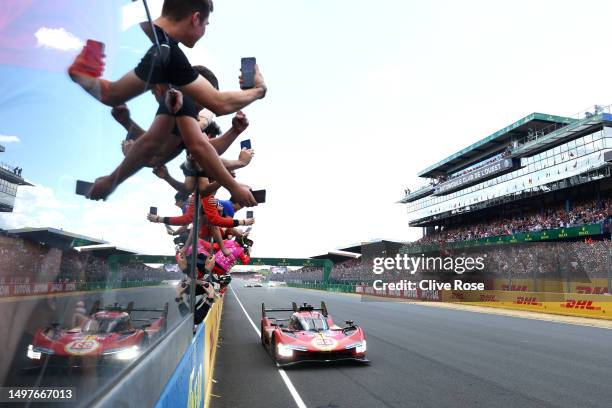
point(153, 210)
point(247, 66)
point(83, 187)
point(260, 196)
point(249, 214)
point(245, 144)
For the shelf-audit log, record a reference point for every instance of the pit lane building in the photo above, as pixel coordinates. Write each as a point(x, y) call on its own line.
point(534, 164)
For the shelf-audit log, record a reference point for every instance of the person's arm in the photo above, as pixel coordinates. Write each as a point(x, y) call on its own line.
point(239, 125)
point(212, 214)
point(184, 219)
point(244, 158)
point(223, 103)
point(206, 155)
point(121, 113)
point(218, 237)
point(162, 173)
point(138, 156)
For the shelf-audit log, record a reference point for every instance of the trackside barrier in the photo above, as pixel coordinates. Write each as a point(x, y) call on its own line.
point(190, 384)
point(330, 287)
point(569, 304)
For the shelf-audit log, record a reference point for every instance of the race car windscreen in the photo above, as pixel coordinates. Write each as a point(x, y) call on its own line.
point(314, 323)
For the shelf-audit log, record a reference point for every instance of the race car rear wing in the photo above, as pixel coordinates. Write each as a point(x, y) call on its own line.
point(295, 308)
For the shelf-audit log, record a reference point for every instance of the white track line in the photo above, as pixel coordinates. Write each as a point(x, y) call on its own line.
point(296, 397)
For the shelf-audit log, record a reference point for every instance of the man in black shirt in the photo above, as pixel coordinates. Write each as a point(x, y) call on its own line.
point(182, 21)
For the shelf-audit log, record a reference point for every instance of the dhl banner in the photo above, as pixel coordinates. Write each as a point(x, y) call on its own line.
point(211, 337)
point(597, 286)
point(571, 304)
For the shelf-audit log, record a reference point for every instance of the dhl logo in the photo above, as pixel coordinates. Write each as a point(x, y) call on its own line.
point(589, 290)
point(488, 298)
point(520, 300)
point(515, 288)
point(580, 304)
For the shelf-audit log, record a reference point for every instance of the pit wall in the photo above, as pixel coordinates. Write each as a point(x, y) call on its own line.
point(191, 382)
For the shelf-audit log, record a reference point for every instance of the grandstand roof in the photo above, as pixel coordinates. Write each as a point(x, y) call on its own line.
point(356, 248)
point(104, 250)
point(338, 256)
point(55, 238)
point(7, 173)
point(534, 122)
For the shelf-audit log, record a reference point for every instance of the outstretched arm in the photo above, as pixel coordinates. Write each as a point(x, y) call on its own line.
point(206, 155)
point(239, 125)
point(137, 157)
point(223, 103)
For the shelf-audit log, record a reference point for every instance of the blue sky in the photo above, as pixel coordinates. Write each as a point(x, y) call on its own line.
point(362, 96)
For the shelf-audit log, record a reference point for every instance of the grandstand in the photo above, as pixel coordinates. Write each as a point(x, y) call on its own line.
point(10, 179)
point(542, 178)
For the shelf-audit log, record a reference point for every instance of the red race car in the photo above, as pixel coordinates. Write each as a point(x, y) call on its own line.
point(309, 335)
point(107, 336)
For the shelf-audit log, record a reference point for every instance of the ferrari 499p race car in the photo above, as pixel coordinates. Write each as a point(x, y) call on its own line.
point(110, 335)
point(309, 335)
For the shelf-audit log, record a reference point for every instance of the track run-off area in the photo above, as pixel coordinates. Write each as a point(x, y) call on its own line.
point(421, 356)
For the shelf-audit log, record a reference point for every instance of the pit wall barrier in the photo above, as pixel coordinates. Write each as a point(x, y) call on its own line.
point(568, 304)
point(190, 384)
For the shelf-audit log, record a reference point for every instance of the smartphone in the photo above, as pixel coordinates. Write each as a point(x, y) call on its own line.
point(247, 66)
point(245, 144)
point(153, 210)
point(96, 46)
point(83, 187)
point(260, 196)
point(249, 214)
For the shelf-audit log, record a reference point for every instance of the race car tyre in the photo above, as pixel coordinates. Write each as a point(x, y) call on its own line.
point(263, 339)
point(273, 351)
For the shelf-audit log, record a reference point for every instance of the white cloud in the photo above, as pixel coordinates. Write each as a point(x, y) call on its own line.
point(57, 38)
point(9, 139)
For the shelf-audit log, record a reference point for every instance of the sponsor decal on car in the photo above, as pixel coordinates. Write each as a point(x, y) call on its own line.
point(82, 346)
point(324, 343)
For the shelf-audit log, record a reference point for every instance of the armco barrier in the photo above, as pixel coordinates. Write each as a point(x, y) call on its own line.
point(190, 384)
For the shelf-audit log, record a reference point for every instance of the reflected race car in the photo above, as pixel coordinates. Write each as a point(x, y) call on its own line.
point(310, 335)
point(108, 336)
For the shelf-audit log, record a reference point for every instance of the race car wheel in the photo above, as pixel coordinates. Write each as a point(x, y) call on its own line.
point(273, 351)
point(263, 339)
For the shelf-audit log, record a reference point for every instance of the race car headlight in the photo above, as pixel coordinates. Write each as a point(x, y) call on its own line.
point(284, 351)
point(124, 354)
point(359, 347)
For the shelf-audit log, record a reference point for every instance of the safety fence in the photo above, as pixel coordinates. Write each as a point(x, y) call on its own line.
point(191, 382)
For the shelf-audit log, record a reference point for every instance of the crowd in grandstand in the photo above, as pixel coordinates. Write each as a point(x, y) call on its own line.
point(590, 212)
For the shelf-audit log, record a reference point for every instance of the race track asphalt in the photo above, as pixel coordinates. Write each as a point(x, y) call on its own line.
point(23, 316)
point(420, 357)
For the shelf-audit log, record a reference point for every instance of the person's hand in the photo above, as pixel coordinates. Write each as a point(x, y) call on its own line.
point(225, 251)
point(209, 264)
point(258, 81)
point(249, 221)
point(102, 188)
point(153, 217)
point(240, 122)
point(121, 113)
point(174, 100)
point(169, 230)
point(126, 146)
point(245, 156)
point(243, 196)
point(161, 172)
